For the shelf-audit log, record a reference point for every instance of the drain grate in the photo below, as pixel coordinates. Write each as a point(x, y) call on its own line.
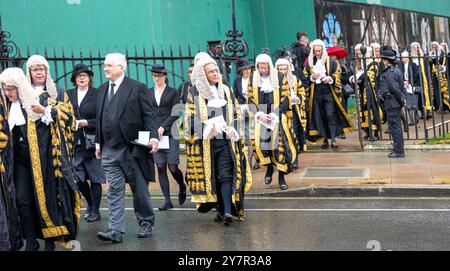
point(336, 172)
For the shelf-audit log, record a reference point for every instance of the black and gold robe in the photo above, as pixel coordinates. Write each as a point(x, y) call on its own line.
point(300, 114)
point(314, 131)
point(284, 146)
point(427, 94)
point(51, 164)
point(439, 79)
point(199, 175)
point(10, 233)
point(369, 100)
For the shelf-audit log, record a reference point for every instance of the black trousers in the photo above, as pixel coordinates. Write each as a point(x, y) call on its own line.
point(26, 199)
point(395, 129)
point(223, 173)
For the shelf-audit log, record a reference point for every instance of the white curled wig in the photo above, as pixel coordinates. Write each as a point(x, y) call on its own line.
point(290, 77)
point(27, 95)
point(414, 51)
point(311, 53)
point(273, 73)
point(199, 56)
point(374, 46)
point(438, 45)
point(201, 81)
point(49, 84)
point(445, 47)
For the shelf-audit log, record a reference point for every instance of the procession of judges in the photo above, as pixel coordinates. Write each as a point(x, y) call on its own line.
point(58, 146)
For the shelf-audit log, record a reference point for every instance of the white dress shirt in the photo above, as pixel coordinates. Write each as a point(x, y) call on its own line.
point(81, 93)
point(158, 94)
point(245, 87)
point(118, 82)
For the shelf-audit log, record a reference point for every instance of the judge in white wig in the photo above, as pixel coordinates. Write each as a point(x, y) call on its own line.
point(273, 140)
point(218, 173)
point(47, 198)
point(326, 116)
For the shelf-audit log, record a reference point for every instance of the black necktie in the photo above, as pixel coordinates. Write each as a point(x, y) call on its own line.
point(111, 92)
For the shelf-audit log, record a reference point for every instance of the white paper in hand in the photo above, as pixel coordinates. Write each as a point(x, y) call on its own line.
point(271, 125)
point(144, 137)
point(217, 122)
point(163, 143)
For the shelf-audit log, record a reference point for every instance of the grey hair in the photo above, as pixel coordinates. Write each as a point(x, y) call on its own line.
point(120, 58)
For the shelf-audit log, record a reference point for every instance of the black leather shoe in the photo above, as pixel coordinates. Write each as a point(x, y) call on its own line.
point(227, 219)
point(218, 218)
point(88, 212)
point(396, 155)
point(166, 206)
point(284, 186)
point(325, 145)
point(93, 217)
point(144, 231)
point(267, 180)
point(334, 145)
point(110, 235)
point(182, 195)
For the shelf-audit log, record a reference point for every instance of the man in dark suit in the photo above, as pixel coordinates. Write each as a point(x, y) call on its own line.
point(300, 50)
point(123, 109)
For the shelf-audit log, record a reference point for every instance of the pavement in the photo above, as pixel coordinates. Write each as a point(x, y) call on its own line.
point(421, 172)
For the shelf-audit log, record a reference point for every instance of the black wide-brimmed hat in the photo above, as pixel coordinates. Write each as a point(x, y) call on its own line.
point(388, 53)
point(214, 42)
point(244, 63)
point(159, 68)
point(79, 68)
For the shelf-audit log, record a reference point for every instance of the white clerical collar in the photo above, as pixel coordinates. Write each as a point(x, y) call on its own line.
point(16, 116)
point(266, 85)
point(38, 87)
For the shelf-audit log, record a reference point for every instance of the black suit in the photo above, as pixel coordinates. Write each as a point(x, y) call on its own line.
point(86, 110)
point(128, 112)
point(237, 88)
point(163, 111)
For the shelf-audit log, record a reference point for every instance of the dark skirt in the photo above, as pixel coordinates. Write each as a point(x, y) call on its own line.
point(88, 168)
point(169, 156)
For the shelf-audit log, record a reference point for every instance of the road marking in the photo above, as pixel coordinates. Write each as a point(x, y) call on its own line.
point(308, 210)
point(250, 197)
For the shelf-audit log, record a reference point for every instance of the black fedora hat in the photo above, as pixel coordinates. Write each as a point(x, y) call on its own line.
point(79, 68)
point(244, 63)
point(159, 68)
point(388, 53)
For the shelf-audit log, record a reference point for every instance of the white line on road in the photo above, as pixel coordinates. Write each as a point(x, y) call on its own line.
point(309, 210)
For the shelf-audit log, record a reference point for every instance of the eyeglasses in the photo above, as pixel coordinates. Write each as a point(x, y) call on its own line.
point(82, 75)
point(158, 74)
point(40, 69)
point(213, 71)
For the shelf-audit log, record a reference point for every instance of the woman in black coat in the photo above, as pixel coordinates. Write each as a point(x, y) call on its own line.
point(84, 100)
point(163, 100)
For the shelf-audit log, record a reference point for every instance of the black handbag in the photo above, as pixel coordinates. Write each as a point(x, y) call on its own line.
point(90, 141)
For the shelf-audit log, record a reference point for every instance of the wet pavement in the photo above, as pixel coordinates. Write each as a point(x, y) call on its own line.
point(290, 224)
